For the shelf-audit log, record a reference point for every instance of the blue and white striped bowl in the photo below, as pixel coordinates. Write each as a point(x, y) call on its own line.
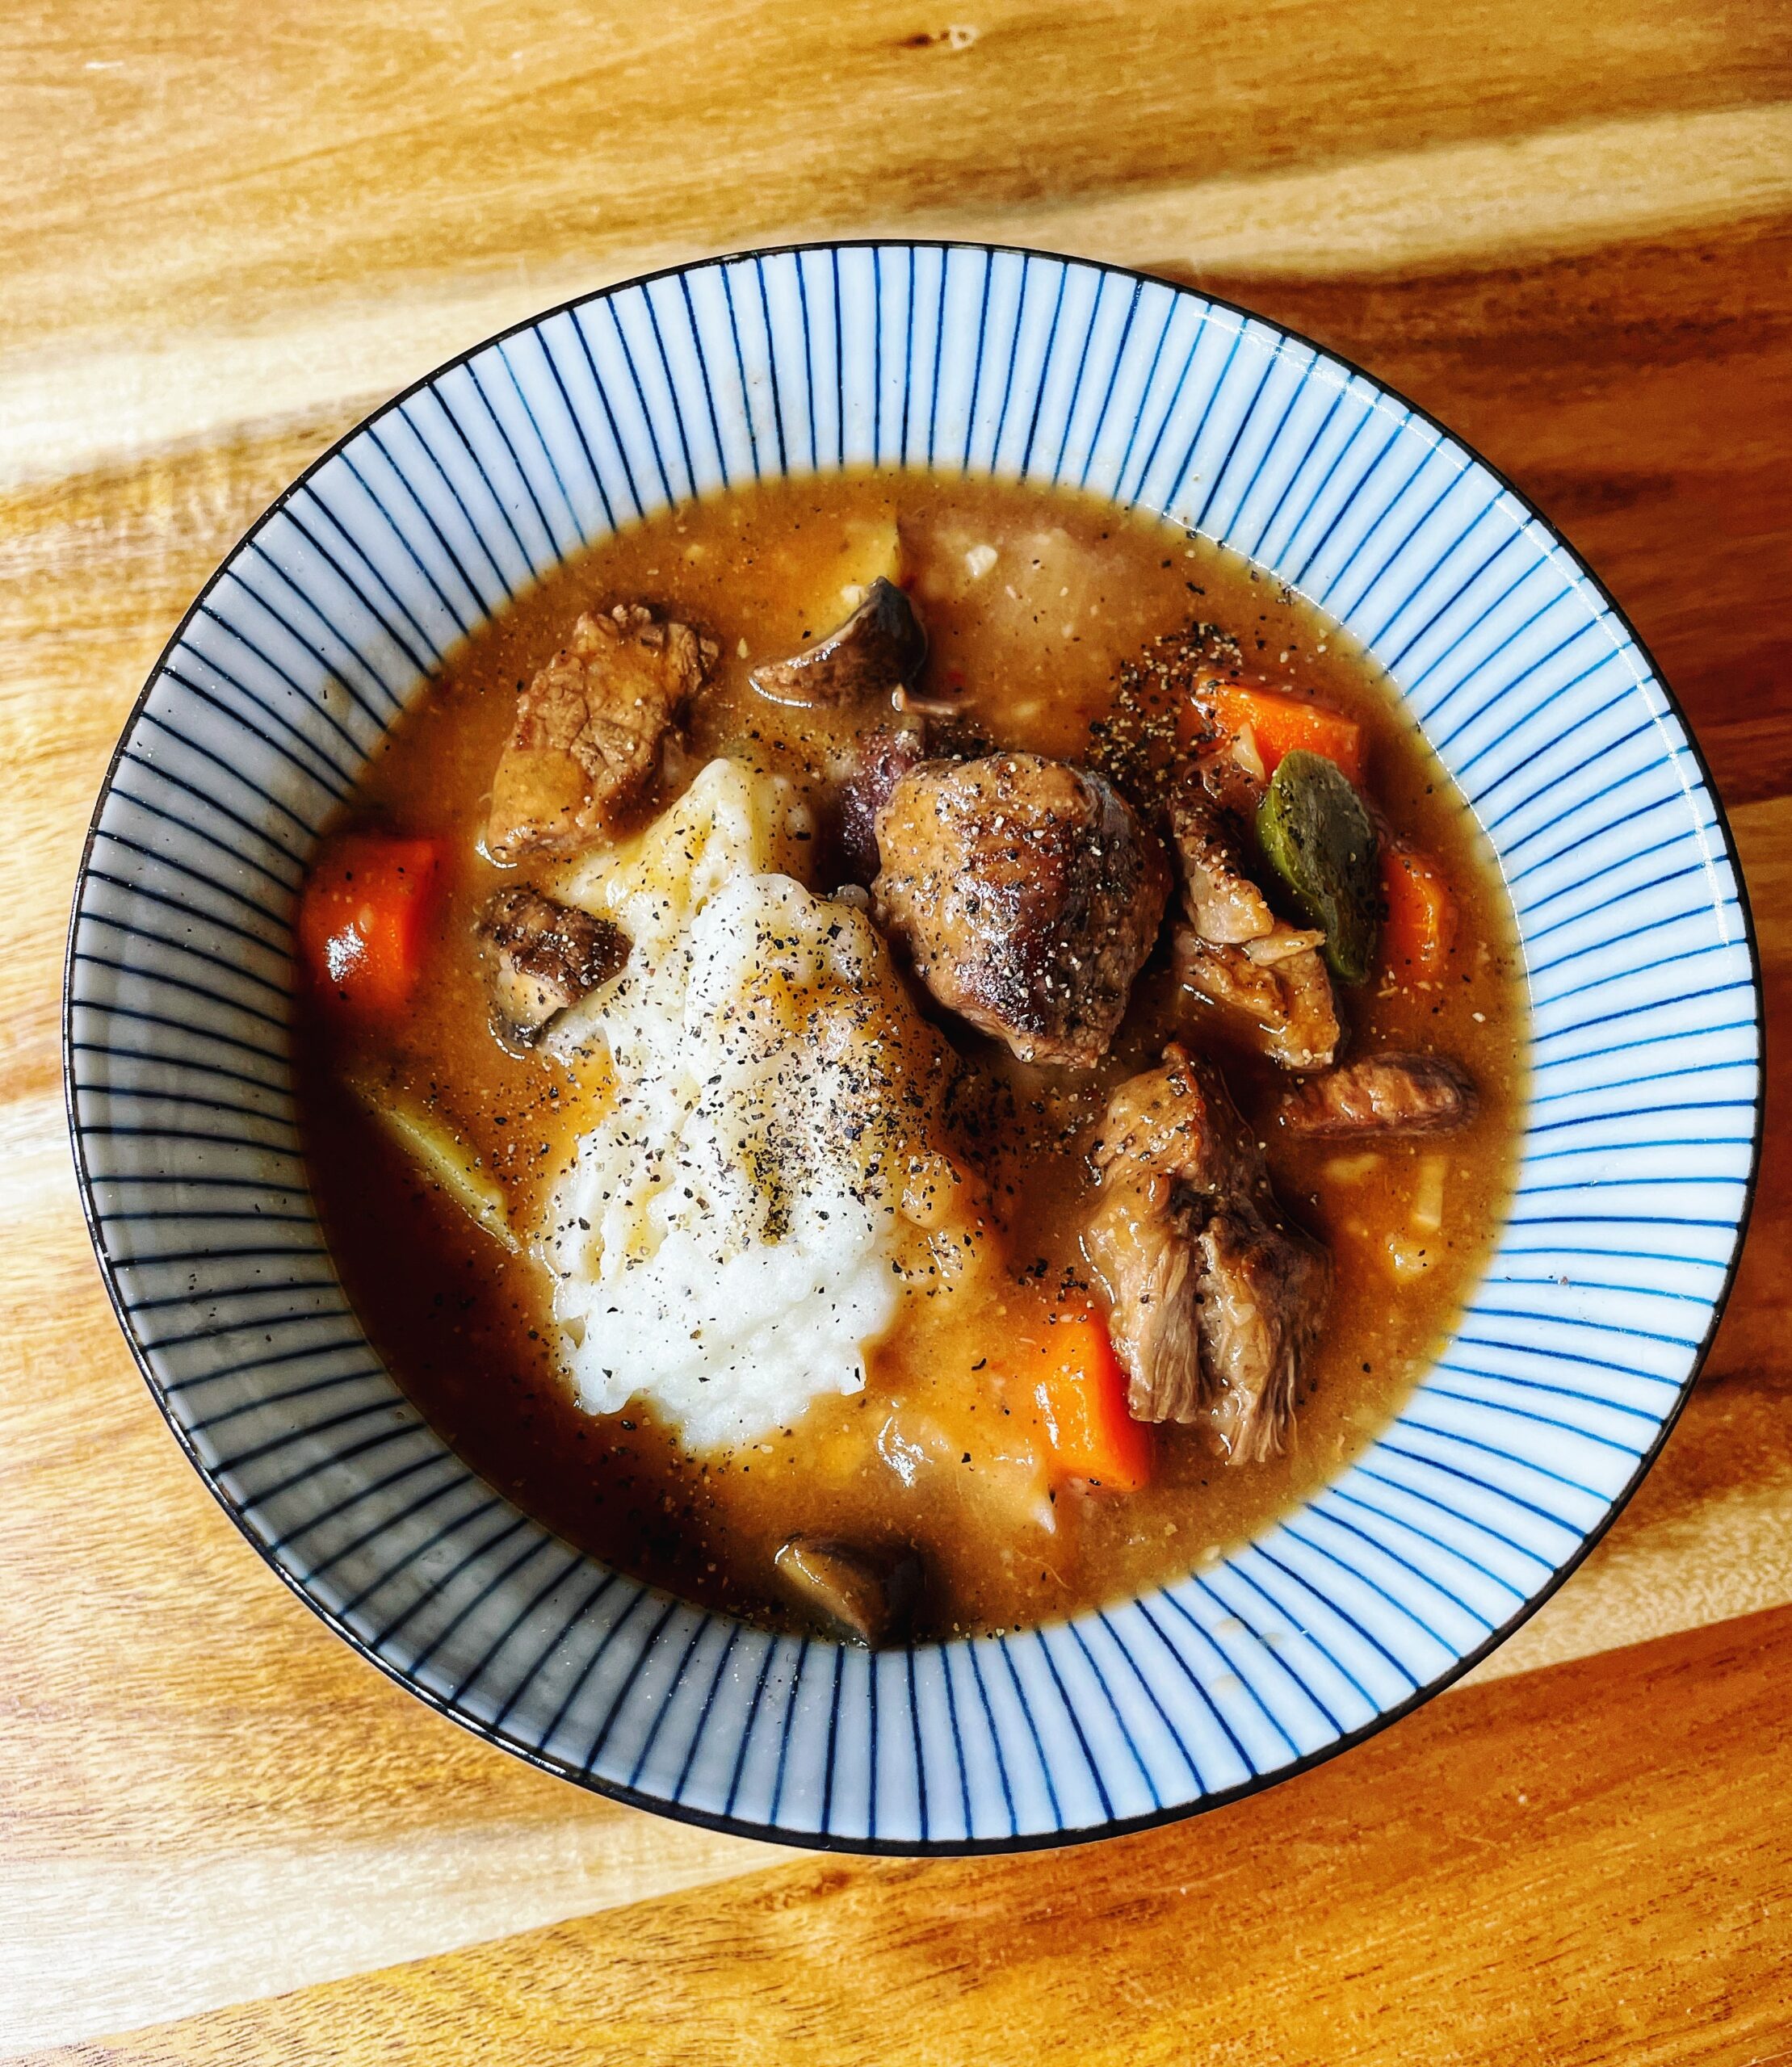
point(1541, 1416)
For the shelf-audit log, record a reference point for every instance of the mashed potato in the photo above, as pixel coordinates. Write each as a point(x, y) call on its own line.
point(768, 1177)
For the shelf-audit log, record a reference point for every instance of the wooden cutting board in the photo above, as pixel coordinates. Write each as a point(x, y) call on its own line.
point(229, 229)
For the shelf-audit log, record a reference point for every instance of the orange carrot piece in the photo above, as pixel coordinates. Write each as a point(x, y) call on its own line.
point(1081, 1391)
point(1279, 722)
point(363, 920)
point(1419, 930)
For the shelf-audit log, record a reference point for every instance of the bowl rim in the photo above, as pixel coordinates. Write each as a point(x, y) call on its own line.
point(827, 1841)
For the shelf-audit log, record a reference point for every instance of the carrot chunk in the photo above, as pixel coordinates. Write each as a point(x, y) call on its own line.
point(363, 920)
point(1420, 929)
point(1279, 722)
point(1081, 1391)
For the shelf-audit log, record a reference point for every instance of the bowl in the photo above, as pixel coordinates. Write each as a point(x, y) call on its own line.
point(1640, 1131)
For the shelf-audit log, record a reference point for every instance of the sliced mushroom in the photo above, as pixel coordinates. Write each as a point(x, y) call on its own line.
point(867, 1595)
point(879, 648)
point(540, 957)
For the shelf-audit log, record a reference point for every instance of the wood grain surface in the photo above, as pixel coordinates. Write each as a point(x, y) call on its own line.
point(1492, 1879)
point(225, 231)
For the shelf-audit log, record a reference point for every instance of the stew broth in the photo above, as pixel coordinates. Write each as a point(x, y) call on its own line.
point(469, 1330)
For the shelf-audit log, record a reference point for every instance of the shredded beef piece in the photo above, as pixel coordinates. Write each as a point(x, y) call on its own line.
point(1224, 907)
point(1384, 1094)
point(1233, 950)
point(1278, 986)
point(590, 730)
point(1214, 1297)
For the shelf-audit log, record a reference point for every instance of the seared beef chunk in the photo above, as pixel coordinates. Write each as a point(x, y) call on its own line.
point(1026, 894)
point(588, 731)
point(868, 1596)
point(541, 956)
point(881, 758)
point(1213, 1298)
point(877, 759)
point(1233, 951)
point(1383, 1094)
point(880, 648)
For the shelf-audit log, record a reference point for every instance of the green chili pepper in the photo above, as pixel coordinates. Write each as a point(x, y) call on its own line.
point(1318, 838)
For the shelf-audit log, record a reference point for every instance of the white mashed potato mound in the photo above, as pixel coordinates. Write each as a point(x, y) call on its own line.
point(767, 1176)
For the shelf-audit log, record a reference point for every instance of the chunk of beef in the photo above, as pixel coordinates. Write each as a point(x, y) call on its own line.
point(875, 760)
point(866, 1595)
point(879, 758)
point(1278, 986)
point(1224, 907)
point(1234, 950)
point(1027, 895)
point(1232, 777)
point(1213, 1298)
point(1262, 1292)
point(1385, 1094)
point(1143, 1252)
point(541, 956)
point(589, 729)
point(880, 648)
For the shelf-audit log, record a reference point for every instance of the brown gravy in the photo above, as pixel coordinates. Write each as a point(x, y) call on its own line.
point(468, 1330)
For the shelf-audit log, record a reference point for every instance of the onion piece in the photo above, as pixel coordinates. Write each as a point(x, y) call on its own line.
point(444, 1157)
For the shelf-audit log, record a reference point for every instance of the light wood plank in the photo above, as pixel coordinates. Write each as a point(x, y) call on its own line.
point(173, 167)
point(226, 231)
point(1573, 1866)
point(122, 1934)
point(230, 1734)
point(71, 404)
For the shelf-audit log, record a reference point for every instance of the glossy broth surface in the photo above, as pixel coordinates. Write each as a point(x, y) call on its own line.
point(469, 1330)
